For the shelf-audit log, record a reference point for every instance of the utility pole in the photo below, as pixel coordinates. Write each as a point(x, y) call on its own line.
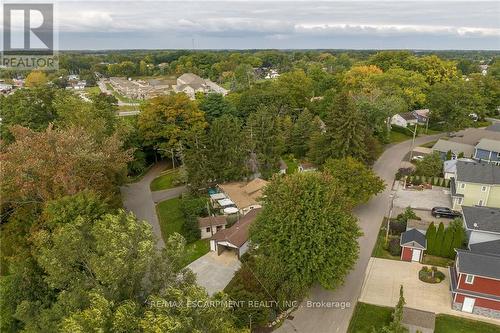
point(413, 141)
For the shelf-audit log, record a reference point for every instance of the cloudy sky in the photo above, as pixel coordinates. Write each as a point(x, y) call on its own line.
point(278, 24)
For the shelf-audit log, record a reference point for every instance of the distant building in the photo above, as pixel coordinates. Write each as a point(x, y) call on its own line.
point(190, 84)
point(404, 119)
point(488, 150)
point(306, 167)
point(5, 88)
point(272, 74)
point(244, 196)
point(456, 148)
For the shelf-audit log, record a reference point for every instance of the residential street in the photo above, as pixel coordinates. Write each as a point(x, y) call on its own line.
point(138, 198)
point(328, 319)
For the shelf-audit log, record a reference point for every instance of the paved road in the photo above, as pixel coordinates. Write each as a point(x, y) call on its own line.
point(370, 215)
point(137, 198)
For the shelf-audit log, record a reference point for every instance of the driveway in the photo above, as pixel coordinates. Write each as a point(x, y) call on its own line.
point(370, 215)
point(137, 198)
point(214, 272)
point(384, 277)
point(424, 200)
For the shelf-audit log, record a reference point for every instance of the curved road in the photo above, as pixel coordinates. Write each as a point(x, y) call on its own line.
point(324, 319)
point(138, 198)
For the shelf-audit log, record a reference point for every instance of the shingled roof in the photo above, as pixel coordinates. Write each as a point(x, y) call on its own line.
point(238, 233)
point(208, 221)
point(413, 238)
point(485, 265)
point(482, 218)
point(481, 173)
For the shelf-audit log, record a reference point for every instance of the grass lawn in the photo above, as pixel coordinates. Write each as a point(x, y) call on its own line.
point(196, 250)
point(366, 316)
point(165, 181)
point(453, 324)
point(379, 250)
point(396, 137)
point(93, 90)
point(436, 261)
point(171, 220)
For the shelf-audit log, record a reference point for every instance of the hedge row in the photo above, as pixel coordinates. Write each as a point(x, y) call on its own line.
point(435, 181)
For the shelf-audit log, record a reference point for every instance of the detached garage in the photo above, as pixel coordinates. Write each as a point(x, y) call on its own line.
point(235, 238)
point(413, 244)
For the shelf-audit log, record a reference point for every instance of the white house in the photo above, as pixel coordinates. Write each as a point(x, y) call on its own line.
point(210, 225)
point(404, 119)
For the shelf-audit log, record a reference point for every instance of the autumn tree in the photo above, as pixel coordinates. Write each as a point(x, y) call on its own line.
point(167, 121)
point(35, 79)
point(41, 166)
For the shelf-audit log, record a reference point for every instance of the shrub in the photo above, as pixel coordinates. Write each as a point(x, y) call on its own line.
point(403, 172)
point(408, 214)
point(396, 227)
point(394, 247)
point(432, 275)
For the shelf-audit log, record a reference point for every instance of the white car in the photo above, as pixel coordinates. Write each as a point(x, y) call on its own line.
point(417, 158)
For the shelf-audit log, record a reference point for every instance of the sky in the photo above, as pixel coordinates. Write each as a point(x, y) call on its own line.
point(437, 25)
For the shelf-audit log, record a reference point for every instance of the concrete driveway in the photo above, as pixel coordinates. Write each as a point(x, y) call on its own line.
point(383, 278)
point(424, 200)
point(214, 272)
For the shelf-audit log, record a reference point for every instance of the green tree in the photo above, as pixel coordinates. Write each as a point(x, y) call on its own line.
point(346, 133)
point(452, 102)
point(302, 131)
point(447, 242)
point(30, 108)
point(265, 139)
point(430, 166)
point(318, 241)
point(458, 236)
point(360, 182)
point(430, 235)
point(214, 106)
point(438, 245)
point(397, 316)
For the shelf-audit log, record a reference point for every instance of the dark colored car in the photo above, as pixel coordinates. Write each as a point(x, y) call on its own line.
point(445, 212)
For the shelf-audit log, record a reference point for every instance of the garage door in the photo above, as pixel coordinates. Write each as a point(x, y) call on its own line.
point(416, 255)
point(468, 305)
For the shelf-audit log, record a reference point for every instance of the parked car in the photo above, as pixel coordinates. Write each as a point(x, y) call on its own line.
point(417, 158)
point(445, 212)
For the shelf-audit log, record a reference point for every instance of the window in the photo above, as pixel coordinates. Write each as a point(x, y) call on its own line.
point(480, 203)
point(219, 227)
point(469, 279)
point(208, 229)
point(484, 188)
point(462, 185)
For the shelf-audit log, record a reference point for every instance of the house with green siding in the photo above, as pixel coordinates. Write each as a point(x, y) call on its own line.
point(475, 184)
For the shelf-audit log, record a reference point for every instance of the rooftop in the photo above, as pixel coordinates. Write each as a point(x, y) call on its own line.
point(481, 173)
point(482, 218)
point(489, 144)
point(208, 221)
point(413, 238)
point(491, 247)
point(244, 194)
point(238, 233)
point(455, 147)
point(485, 265)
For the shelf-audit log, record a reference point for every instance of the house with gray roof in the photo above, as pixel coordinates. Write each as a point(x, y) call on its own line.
point(475, 184)
point(488, 150)
point(475, 282)
point(482, 224)
point(413, 244)
point(456, 148)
